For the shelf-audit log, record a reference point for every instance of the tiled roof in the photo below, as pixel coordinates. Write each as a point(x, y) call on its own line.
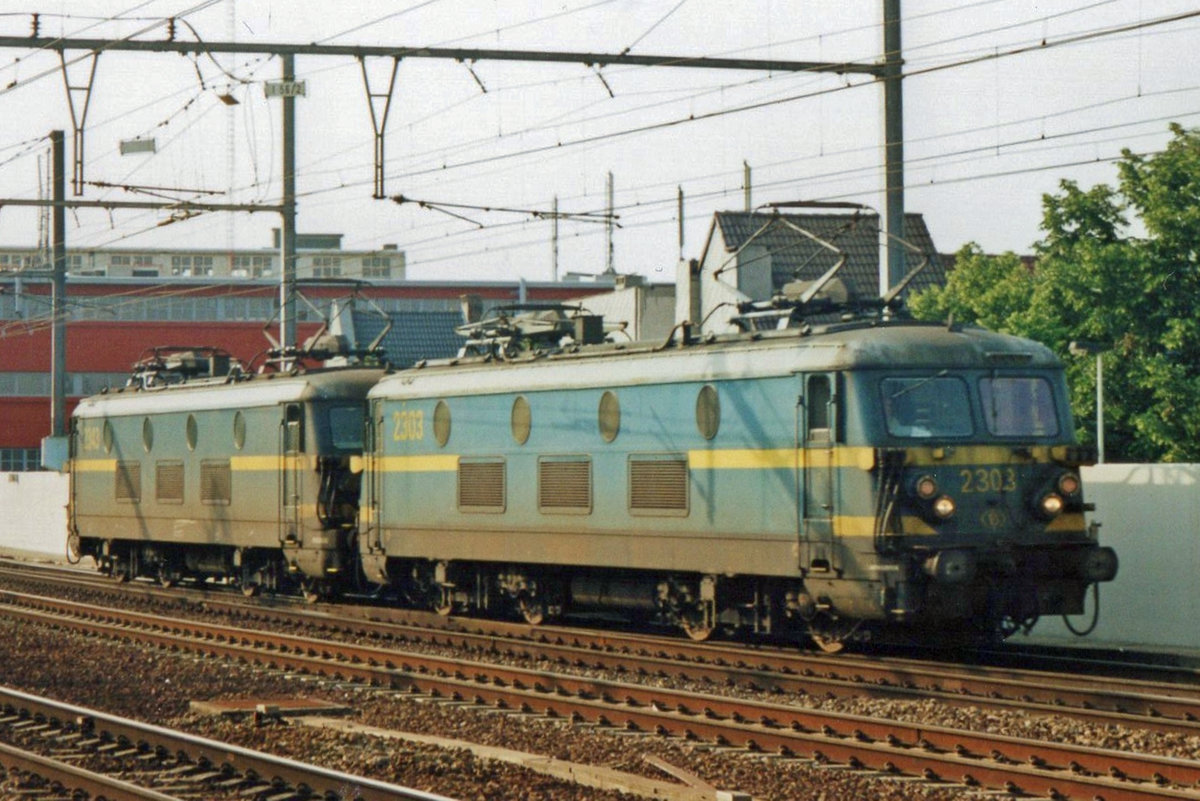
point(795, 256)
point(414, 335)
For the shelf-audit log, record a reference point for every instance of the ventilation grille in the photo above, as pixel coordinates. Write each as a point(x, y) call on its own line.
point(658, 485)
point(216, 483)
point(168, 482)
point(481, 485)
point(565, 485)
point(128, 481)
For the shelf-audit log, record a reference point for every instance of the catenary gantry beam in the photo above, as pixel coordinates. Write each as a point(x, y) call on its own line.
point(453, 53)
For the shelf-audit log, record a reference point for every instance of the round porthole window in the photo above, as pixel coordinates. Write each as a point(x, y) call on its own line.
point(610, 416)
point(108, 437)
point(239, 430)
point(192, 432)
point(708, 411)
point(522, 420)
point(147, 435)
point(441, 422)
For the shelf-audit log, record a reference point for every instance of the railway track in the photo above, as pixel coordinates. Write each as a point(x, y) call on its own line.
point(1007, 764)
point(143, 762)
point(1154, 705)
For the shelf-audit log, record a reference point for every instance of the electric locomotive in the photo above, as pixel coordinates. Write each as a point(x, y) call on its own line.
point(830, 480)
point(199, 469)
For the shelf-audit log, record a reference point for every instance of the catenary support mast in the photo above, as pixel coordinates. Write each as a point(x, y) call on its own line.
point(893, 136)
point(58, 300)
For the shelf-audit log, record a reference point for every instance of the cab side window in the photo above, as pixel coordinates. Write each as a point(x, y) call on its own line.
point(819, 409)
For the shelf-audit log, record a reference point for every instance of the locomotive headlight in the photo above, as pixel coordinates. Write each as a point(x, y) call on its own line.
point(925, 487)
point(1068, 484)
point(944, 507)
point(1051, 505)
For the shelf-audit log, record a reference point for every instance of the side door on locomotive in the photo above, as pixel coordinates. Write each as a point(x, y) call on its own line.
point(291, 475)
point(817, 485)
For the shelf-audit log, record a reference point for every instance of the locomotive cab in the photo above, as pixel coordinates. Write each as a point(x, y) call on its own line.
point(978, 518)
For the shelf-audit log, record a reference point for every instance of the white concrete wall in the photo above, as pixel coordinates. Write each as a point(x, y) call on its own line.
point(33, 514)
point(1149, 513)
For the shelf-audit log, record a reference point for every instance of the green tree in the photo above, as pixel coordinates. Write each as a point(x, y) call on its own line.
point(991, 291)
point(1120, 266)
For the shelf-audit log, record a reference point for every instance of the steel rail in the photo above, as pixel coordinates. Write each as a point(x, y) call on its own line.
point(266, 767)
point(974, 758)
point(96, 785)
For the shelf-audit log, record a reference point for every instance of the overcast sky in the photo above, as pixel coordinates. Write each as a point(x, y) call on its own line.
point(984, 139)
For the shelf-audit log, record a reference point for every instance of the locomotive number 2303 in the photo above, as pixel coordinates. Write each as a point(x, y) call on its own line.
point(408, 425)
point(984, 480)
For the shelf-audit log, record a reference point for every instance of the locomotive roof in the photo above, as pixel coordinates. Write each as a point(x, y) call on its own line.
point(895, 345)
point(259, 390)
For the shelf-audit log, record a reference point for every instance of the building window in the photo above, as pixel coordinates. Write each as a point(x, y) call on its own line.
point(256, 266)
point(327, 266)
point(20, 460)
point(377, 266)
point(119, 260)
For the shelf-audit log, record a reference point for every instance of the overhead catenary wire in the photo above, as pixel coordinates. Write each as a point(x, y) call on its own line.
point(675, 122)
point(344, 186)
point(786, 99)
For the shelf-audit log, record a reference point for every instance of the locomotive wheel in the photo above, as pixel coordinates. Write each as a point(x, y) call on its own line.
point(833, 636)
point(118, 570)
point(255, 580)
point(444, 605)
point(313, 590)
point(74, 549)
point(169, 573)
point(537, 607)
point(694, 624)
point(250, 582)
point(532, 610)
point(828, 644)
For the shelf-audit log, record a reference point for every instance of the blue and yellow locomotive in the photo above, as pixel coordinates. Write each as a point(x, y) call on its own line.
point(199, 470)
point(822, 480)
point(848, 473)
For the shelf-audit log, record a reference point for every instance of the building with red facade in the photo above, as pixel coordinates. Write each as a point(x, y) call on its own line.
point(111, 322)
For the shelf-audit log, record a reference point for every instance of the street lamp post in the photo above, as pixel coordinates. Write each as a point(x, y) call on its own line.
point(1083, 347)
